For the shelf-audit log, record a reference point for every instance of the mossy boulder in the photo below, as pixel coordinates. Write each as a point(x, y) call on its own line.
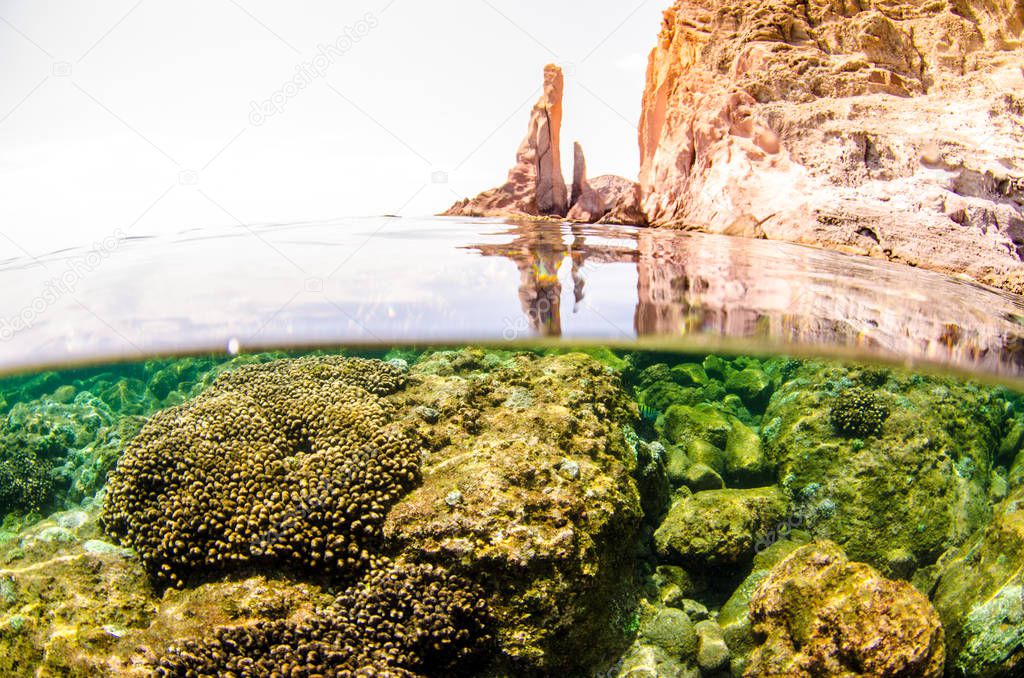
point(818, 614)
point(734, 616)
point(717, 527)
point(55, 453)
point(746, 464)
point(555, 551)
point(752, 385)
point(670, 629)
point(704, 422)
point(979, 593)
point(900, 497)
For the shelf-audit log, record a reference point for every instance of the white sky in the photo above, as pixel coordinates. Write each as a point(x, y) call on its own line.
point(135, 114)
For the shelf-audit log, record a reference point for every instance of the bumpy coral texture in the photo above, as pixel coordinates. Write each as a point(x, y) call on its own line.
point(400, 621)
point(291, 463)
point(858, 413)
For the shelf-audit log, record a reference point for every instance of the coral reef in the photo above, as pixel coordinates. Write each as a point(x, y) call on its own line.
point(290, 462)
point(400, 621)
point(857, 413)
point(322, 466)
point(820, 614)
point(487, 512)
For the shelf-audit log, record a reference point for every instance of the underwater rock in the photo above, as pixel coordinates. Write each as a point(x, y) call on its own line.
point(712, 651)
point(650, 661)
point(751, 385)
point(829, 123)
point(1015, 477)
point(1012, 443)
point(734, 616)
point(719, 527)
point(556, 555)
point(293, 462)
point(900, 498)
point(670, 629)
point(821, 614)
point(979, 595)
point(700, 477)
point(535, 186)
point(704, 422)
point(745, 462)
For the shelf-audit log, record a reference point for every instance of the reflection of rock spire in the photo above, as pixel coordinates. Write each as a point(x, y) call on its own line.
point(578, 256)
point(538, 250)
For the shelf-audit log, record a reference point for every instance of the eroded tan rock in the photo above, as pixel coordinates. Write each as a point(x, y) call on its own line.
point(535, 186)
point(820, 614)
point(894, 131)
point(586, 204)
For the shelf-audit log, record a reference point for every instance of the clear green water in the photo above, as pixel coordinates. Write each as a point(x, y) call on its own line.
point(485, 511)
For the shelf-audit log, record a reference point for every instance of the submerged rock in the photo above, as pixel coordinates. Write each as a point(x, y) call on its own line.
point(554, 549)
point(915, 485)
point(734, 616)
point(979, 594)
point(819, 614)
point(719, 527)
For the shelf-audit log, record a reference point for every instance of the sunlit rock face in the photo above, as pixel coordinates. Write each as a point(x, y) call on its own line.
point(893, 130)
point(535, 186)
point(587, 203)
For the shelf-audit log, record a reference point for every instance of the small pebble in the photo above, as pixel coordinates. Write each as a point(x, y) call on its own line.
point(428, 414)
point(569, 469)
point(453, 498)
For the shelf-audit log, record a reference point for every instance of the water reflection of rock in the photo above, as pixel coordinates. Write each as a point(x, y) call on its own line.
point(756, 289)
point(698, 286)
point(539, 250)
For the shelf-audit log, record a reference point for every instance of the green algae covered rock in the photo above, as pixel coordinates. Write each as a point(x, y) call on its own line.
point(670, 629)
point(751, 385)
point(899, 497)
point(555, 551)
point(819, 614)
point(979, 594)
point(704, 422)
point(719, 526)
point(745, 462)
point(734, 617)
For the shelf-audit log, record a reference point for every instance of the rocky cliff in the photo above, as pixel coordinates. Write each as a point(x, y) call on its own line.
point(889, 128)
point(535, 187)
